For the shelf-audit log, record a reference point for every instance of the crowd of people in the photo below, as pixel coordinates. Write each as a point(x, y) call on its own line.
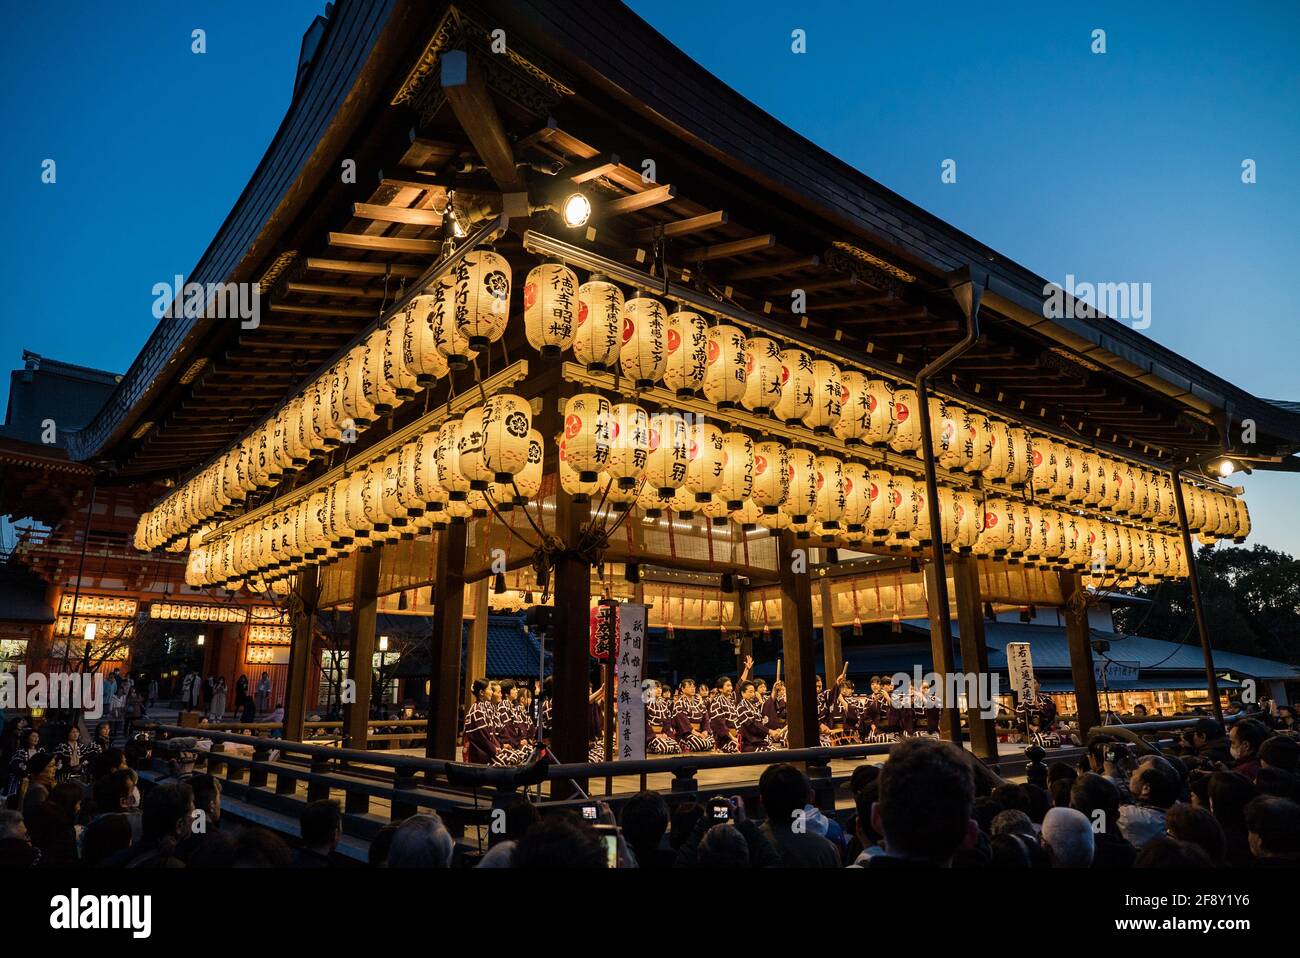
point(211, 696)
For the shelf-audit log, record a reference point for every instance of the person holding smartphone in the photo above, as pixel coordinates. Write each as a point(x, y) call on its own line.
point(726, 813)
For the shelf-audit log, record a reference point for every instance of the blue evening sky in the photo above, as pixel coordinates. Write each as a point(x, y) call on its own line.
point(1115, 167)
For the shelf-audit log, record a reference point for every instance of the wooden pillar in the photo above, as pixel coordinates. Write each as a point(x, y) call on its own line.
point(832, 647)
point(571, 646)
point(443, 730)
point(302, 660)
point(1079, 639)
point(41, 644)
point(974, 653)
point(941, 650)
point(476, 654)
point(1194, 586)
point(361, 648)
point(797, 641)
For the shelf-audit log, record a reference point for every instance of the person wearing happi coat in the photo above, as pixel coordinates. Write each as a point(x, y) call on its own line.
point(898, 716)
point(481, 745)
point(690, 719)
point(841, 715)
point(722, 717)
point(502, 721)
point(1037, 713)
point(595, 724)
point(871, 726)
point(659, 724)
point(751, 730)
point(775, 714)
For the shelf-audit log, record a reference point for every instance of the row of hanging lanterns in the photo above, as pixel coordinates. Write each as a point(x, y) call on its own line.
point(447, 474)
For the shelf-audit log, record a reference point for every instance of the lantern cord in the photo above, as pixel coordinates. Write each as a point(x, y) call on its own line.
point(540, 534)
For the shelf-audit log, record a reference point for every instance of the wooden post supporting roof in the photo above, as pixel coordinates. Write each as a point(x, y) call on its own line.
point(941, 651)
point(1077, 635)
point(1194, 586)
point(302, 657)
point(443, 728)
point(476, 654)
point(797, 640)
point(974, 653)
point(361, 648)
point(570, 713)
point(832, 647)
point(466, 91)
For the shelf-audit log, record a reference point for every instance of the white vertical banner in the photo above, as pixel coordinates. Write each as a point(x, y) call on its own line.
point(1020, 666)
point(631, 666)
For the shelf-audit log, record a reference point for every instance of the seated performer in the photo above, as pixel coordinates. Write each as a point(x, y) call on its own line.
point(872, 721)
point(544, 712)
point(841, 715)
point(760, 689)
point(659, 723)
point(751, 730)
point(775, 715)
point(898, 716)
point(480, 741)
point(722, 717)
point(1037, 714)
point(690, 714)
point(930, 709)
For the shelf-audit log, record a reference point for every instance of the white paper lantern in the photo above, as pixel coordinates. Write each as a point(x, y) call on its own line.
point(763, 375)
point(687, 340)
point(907, 422)
point(855, 410)
point(481, 291)
point(737, 483)
point(705, 459)
point(447, 459)
point(801, 501)
point(880, 503)
point(797, 386)
point(980, 428)
point(828, 397)
point(644, 354)
point(857, 496)
point(354, 396)
point(507, 419)
point(629, 446)
point(588, 433)
point(550, 308)
point(830, 491)
point(599, 334)
point(771, 475)
point(379, 377)
point(668, 457)
point(570, 479)
point(954, 440)
point(724, 376)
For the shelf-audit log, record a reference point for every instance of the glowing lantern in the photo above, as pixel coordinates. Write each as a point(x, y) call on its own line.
point(953, 433)
point(855, 410)
point(419, 343)
point(651, 500)
point(390, 503)
point(995, 533)
point(921, 532)
point(857, 496)
point(629, 444)
point(797, 386)
point(969, 519)
point(724, 376)
point(507, 419)
point(481, 292)
point(1020, 457)
point(470, 442)
point(1043, 475)
point(588, 433)
point(980, 429)
point(801, 501)
point(1075, 480)
point(644, 354)
point(879, 503)
point(598, 338)
point(737, 469)
point(379, 379)
point(902, 512)
point(571, 481)
point(408, 488)
point(528, 480)
point(550, 308)
point(665, 469)
point(352, 400)
point(771, 475)
point(447, 458)
point(830, 491)
point(907, 423)
point(688, 353)
point(881, 414)
point(828, 397)
point(947, 497)
point(705, 459)
point(1111, 483)
point(1127, 486)
point(762, 375)
point(683, 502)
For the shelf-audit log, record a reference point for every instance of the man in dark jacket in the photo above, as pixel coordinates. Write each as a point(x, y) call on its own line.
point(1208, 740)
point(927, 794)
point(1099, 799)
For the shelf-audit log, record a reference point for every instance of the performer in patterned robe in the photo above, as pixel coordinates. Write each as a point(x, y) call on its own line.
point(722, 717)
point(659, 724)
point(690, 714)
point(71, 760)
point(875, 712)
point(752, 732)
point(1037, 714)
point(481, 745)
point(775, 716)
point(841, 716)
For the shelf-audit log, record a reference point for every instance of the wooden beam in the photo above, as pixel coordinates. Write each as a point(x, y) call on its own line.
point(396, 214)
point(384, 244)
point(476, 654)
point(312, 309)
point(361, 650)
point(692, 224)
point(302, 655)
point(832, 648)
point(590, 168)
point(775, 268)
point(363, 269)
point(941, 654)
point(638, 201)
point(749, 244)
point(1079, 639)
point(463, 85)
point(797, 644)
point(332, 289)
point(974, 650)
point(443, 730)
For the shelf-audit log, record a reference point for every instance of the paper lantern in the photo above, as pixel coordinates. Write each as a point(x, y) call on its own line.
point(683, 502)
point(953, 434)
point(771, 475)
point(599, 333)
point(420, 356)
point(763, 375)
point(828, 397)
point(1020, 457)
point(980, 429)
point(506, 421)
point(550, 308)
point(881, 419)
point(644, 354)
point(995, 533)
point(570, 479)
point(1070, 473)
point(687, 352)
point(969, 519)
point(1130, 491)
point(470, 443)
point(724, 376)
point(1043, 474)
point(1241, 523)
point(902, 511)
point(737, 469)
point(621, 497)
point(855, 408)
point(1109, 496)
point(448, 338)
point(629, 445)
point(947, 497)
point(588, 433)
point(379, 374)
point(907, 423)
point(298, 437)
point(1094, 478)
point(447, 459)
point(797, 386)
point(857, 496)
point(830, 491)
point(481, 297)
point(320, 407)
point(528, 480)
point(801, 501)
point(651, 500)
point(921, 534)
point(429, 494)
point(668, 453)
point(353, 400)
point(748, 515)
point(704, 460)
point(879, 503)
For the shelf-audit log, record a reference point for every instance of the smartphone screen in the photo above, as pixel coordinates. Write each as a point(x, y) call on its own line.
point(610, 834)
point(589, 812)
